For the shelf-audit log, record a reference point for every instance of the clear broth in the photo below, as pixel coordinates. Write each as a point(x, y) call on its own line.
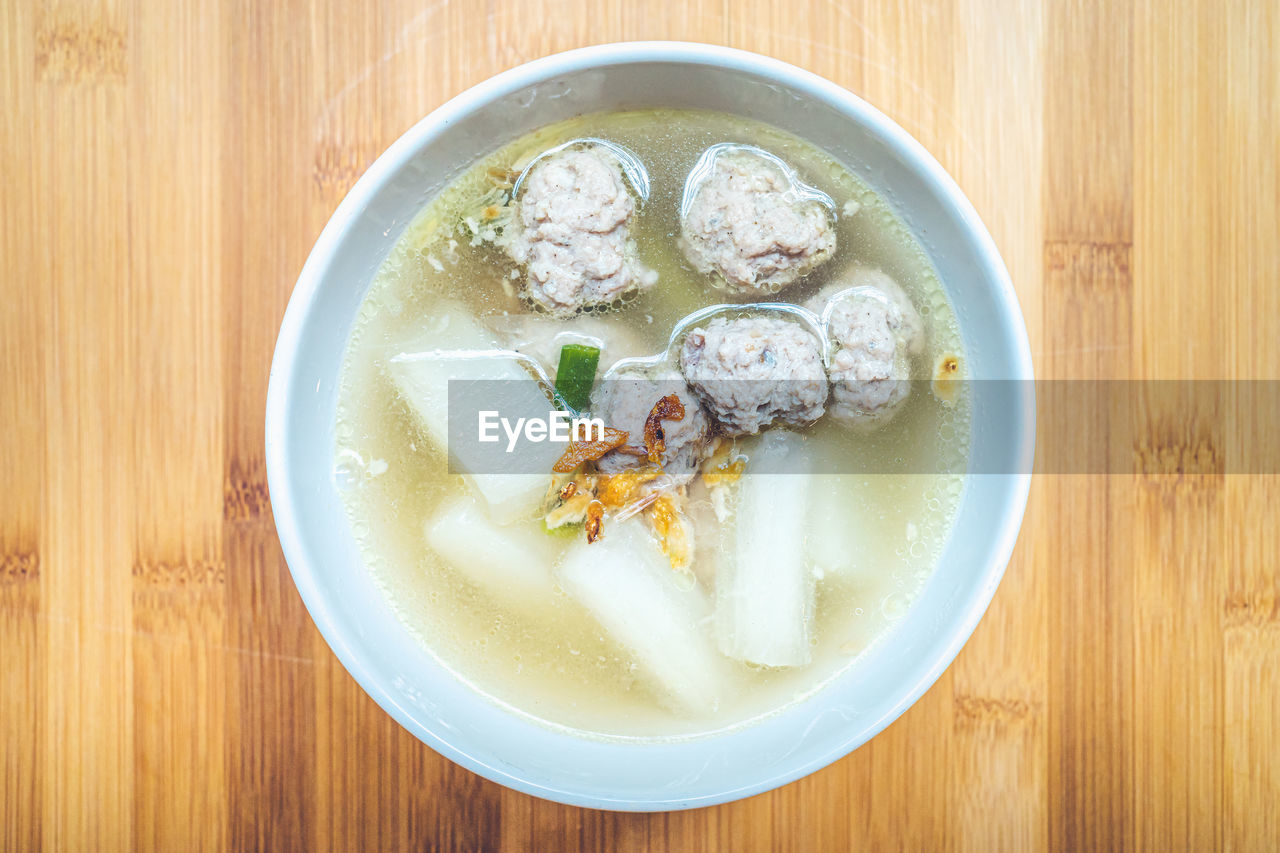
point(558, 666)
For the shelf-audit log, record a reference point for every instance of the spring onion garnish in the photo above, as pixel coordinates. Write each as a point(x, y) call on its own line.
point(576, 374)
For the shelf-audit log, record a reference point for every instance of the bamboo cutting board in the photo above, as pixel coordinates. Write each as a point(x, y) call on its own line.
point(165, 169)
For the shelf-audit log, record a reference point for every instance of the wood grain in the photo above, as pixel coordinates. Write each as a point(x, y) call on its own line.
point(166, 168)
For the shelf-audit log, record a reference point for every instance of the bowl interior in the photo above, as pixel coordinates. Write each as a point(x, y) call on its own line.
point(352, 613)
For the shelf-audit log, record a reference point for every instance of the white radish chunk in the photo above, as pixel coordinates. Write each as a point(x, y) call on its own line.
point(455, 346)
point(764, 586)
point(837, 537)
point(542, 337)
point(626, 582)
point(512, 563)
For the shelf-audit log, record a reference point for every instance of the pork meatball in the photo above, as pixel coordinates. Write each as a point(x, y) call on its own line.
point(876, 329)
point(747, 218)
point(572, 232)
point(751, 371)
point(625, 401)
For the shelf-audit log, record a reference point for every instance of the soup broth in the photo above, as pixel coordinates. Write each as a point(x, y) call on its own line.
point(870, 540)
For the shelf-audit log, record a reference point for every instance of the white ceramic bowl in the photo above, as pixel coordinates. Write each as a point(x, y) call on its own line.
point(357, 621)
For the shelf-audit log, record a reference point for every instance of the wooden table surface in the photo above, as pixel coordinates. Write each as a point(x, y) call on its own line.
point(165, 169)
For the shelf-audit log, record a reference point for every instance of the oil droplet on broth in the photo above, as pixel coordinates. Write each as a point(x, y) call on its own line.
point(895, 606)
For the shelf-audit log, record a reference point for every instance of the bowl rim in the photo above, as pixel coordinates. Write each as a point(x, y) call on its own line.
point(279, 400)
